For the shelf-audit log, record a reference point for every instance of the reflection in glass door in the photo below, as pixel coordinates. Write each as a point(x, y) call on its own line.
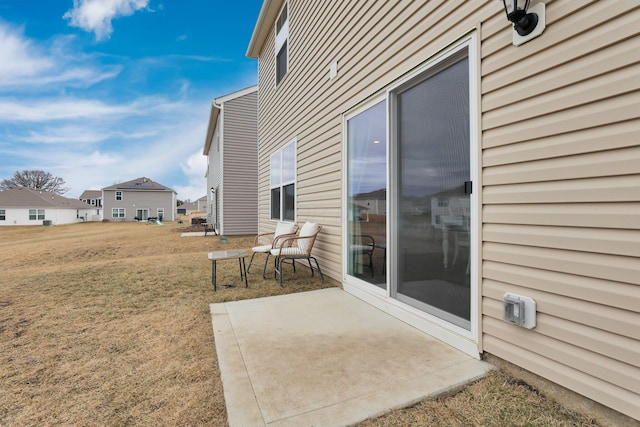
point(367, 195)
point(433, 187)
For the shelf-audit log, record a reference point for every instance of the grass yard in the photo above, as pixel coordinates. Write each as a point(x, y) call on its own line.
point(108, 324)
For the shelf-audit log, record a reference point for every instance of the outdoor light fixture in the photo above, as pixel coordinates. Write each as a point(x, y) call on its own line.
point(527, 24)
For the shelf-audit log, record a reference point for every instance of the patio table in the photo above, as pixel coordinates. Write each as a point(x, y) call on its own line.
point(232, 254)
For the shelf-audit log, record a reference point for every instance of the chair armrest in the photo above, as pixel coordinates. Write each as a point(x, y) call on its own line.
point(283, 240)
point(365, 239)
point(290, 240)
point(256, 241)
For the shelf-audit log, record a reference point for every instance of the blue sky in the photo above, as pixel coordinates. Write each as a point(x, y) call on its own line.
point(102, 91)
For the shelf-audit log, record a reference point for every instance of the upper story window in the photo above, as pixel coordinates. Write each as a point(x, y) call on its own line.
point(118, 195)
point(282, 43)
point(283, 183)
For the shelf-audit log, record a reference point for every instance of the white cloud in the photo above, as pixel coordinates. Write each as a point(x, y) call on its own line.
point(30, 67)
point(64, 135)
point(167, 151)
point(19, 56)
point(96, 15)
point(69, 108)
point(57, 109)
point(195, 167)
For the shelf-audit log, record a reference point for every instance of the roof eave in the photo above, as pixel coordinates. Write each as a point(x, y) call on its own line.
point(213, 122)
point(234, 95)
point(267, 16)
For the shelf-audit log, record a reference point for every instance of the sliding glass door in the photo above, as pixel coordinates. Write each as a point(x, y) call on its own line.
point(433, 186)
point(414, 241)
point(142, 214)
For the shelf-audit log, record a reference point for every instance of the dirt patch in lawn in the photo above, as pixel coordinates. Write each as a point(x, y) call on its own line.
point(109, 324)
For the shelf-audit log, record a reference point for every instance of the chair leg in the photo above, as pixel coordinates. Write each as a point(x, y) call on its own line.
point(264, 270)
point(280, 270)
point(310, 267)
point(318, 267)
point(251, 261)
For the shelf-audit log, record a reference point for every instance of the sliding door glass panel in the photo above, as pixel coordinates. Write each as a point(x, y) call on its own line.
point(367, 195)
point(142, 214)
point(434, 208)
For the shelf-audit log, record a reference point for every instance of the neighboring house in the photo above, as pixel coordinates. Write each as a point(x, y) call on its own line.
point(373, 202)
point(507, 169)
point(140, 198)
point(23, 206)
point(199, 206)
point(231, 147)
point(93, 198)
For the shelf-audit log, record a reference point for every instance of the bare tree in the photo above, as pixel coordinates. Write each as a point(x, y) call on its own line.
point(36, 180)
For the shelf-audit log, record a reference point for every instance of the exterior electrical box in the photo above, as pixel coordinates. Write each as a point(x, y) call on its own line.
point(520, 310)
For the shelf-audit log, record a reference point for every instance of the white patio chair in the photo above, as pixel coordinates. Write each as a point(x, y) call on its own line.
point(263, 243)
point(296, 247)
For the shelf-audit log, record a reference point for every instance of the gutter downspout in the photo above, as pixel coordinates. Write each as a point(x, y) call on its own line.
point(220, 191)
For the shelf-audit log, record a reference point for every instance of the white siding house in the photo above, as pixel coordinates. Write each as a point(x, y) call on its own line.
point(94, 199)
point(23, 206)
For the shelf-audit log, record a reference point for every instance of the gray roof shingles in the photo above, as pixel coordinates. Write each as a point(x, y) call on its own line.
point(141, 183)
point(28, 198)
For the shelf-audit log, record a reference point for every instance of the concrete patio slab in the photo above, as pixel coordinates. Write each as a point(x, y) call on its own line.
point(326, 358)
point(192, 234)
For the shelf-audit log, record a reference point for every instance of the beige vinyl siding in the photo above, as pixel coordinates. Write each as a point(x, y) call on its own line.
point(240, 180)
point(561, 198)
point(309, 106)
point(560, 162)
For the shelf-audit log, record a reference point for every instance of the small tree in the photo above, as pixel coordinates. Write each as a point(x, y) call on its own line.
point(36, 180)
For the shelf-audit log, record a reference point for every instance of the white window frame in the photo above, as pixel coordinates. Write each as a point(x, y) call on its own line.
point(282, 39)
point(38, 214)
point(119, 195)
point(3, 215)
point(115, 213)
point(281, 183)
point(160, 212)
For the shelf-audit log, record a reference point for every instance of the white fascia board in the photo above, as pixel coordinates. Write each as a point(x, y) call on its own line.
point(237, 94)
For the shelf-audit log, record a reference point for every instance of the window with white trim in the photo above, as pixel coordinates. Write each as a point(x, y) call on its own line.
point(160, 214)
point(36, 214)
point(283, 183)
point(118, 195)
point(117, 213)
point(3, 215)
point(282, 43)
